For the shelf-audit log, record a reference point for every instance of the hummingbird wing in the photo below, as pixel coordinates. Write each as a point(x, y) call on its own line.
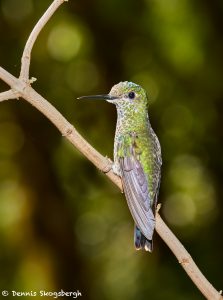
point(156, 162)
point(135, 185)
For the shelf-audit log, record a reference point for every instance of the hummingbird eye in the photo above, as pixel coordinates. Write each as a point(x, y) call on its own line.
point(131, 95)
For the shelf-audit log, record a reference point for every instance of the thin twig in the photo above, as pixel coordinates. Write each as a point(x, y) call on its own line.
point(186, 260)
point(10, 94)
point(21, 87)
point(26, 56)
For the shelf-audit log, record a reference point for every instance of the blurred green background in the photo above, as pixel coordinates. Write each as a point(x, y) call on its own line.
point(63, 225)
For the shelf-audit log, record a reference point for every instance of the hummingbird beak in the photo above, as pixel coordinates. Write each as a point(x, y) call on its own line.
point(97, 97)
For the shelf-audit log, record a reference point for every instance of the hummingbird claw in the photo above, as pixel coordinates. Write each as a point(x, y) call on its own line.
point(116, 169)
point(158, 207)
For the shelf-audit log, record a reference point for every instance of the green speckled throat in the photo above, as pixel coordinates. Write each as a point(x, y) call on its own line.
point(132, 112)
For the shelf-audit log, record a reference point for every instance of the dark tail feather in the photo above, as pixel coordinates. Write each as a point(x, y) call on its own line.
point(141, 241)
point(137, 238)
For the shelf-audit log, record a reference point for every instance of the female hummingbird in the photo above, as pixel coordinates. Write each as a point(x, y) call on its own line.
point(137, 157)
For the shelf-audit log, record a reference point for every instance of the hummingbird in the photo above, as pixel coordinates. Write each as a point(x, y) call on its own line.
point(137, 157)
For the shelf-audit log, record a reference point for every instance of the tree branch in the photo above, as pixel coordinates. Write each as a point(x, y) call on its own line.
point(186, 261)
point(28, 93)
point(20, 87)
point(26, 56)
point(10, 94)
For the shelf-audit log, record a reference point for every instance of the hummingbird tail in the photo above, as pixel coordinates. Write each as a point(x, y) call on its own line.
point(141, 241)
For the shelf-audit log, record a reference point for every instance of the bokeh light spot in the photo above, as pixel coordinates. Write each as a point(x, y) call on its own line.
point(12, 204)
point(64, 42)
point(179, 32)
point(37, 262)
point(193, 197)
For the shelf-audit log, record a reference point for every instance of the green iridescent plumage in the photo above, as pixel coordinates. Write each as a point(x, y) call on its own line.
point(137, 157)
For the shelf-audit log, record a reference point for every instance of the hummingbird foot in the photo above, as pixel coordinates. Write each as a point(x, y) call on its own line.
point(116, 169)
point(158, 207)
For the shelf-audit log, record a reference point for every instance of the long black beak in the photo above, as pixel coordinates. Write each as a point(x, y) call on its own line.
point(97, 97)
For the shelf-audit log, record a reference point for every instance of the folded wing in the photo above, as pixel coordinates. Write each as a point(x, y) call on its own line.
point(136, 189)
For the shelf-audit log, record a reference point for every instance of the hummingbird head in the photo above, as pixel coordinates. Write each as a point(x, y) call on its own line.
point(127, 96)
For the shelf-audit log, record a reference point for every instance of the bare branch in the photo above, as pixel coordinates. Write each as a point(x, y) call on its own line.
point(67, 130)
point(10, 94)
point(26, 56)
point(9, 78)
point(21, 87)
point(186, 261)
